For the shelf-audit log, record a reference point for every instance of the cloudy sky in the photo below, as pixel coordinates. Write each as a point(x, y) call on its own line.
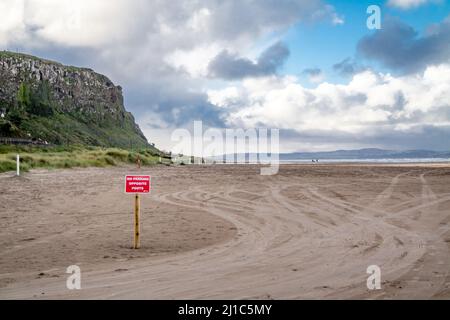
point(308, 67)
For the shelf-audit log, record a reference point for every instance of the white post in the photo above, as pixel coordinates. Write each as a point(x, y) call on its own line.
point(18, 165)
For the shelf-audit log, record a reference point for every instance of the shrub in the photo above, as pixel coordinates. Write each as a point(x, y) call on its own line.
point(110, 161)
point(7, 165)
point(122, 155)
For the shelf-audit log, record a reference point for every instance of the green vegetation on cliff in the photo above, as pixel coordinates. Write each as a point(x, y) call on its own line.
point(63, 105)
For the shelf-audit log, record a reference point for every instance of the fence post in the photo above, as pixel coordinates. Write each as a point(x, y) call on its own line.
point(18, 165)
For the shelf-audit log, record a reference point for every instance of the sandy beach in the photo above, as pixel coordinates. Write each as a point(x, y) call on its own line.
point(224, 231)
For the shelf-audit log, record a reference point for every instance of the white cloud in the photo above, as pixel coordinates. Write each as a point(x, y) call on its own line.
point(194, 61)
point(337, 20)
point(159, 52)
point(225, 97)
point(200, 19)
point(315, 75)
point(408, 4)
point(368, 103)
point(95, 23)
point(160, 45)
point(71, 23)
point(12, 27)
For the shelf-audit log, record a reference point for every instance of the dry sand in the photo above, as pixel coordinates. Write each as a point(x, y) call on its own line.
point(224, 231)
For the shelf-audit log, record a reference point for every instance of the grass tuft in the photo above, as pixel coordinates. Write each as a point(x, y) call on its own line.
point(68, 157)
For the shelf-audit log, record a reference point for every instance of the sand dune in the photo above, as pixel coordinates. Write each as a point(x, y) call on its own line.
point(224, 231)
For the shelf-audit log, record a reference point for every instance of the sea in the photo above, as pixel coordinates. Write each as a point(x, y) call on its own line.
point(309, 161)
point(381, 160)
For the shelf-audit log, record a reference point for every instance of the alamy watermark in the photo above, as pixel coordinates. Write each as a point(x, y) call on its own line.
point(229, 146)
point(374, 280)
point(74, 280)
point(374, 20)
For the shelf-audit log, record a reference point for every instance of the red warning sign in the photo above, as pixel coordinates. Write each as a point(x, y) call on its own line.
point(137, 184)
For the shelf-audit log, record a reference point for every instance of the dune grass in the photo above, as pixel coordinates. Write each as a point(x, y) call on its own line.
point(69, 157)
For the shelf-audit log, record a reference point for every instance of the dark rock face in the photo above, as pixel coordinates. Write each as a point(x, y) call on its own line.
point(78, 93)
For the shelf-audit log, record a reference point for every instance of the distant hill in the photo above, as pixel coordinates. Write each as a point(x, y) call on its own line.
point(47, 101)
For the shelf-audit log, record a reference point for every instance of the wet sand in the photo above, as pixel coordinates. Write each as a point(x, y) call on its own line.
point(224, 231)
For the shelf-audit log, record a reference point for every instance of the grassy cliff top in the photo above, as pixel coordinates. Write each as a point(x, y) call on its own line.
point(10, 54)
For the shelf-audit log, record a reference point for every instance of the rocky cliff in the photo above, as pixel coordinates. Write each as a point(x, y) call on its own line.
point(45, 100)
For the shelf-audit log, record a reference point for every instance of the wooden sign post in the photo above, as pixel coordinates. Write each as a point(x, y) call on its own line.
point(137, 212)
point(137, 185)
